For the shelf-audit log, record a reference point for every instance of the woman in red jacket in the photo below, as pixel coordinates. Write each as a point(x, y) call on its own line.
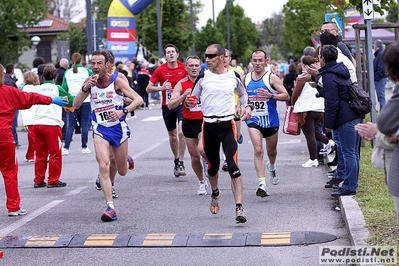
point(12, 99)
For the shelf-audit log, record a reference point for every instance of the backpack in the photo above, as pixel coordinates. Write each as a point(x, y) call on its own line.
point(360, 100)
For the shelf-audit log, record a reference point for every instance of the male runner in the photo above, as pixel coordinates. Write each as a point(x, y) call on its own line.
point(264, 90)
point(192, 119)
point(168, 74)
point(110, 129)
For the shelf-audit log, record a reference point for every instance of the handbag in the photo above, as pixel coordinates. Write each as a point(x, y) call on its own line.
point(291, 122)
point(377, 157)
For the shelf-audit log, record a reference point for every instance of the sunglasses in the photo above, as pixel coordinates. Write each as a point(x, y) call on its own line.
point(210, 56)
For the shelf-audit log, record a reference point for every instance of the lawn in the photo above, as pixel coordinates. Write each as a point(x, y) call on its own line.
point(376, 203)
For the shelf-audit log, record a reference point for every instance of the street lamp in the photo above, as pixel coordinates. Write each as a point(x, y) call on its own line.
point(228, 23)
point(35, 41)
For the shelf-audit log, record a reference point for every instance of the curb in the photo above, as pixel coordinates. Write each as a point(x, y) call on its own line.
point(355, 223)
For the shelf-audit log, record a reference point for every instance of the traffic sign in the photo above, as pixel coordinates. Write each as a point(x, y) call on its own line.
point(368, 9)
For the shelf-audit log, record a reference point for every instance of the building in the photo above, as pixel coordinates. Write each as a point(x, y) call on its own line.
point(48, 47)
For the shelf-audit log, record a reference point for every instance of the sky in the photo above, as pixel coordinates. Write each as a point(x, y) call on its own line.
point(257, 10)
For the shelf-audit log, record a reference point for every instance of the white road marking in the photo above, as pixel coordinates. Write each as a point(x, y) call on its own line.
point(152, 118)
point(29, 217)
point(76, 191)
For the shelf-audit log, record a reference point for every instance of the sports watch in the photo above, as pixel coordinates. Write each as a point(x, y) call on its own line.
point(125, 111)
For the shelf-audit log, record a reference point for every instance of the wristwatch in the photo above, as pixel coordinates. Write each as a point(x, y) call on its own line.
point(271, 96)
point(125, 111)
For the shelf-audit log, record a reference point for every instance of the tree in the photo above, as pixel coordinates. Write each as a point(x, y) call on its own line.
point(175, 26)
point(208, 35)
point(271, 34)
point(302, 20)
point(392, 16)
point(77, 39)
point(15, 17)
point(243, 33)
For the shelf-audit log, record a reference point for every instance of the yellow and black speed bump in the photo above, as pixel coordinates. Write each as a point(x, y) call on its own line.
point(168, 240)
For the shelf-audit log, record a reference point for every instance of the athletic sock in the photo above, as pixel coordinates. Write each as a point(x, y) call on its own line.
point(110, 204)
point(215, 192)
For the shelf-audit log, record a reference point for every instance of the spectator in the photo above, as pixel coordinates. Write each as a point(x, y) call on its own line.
point(380, 76)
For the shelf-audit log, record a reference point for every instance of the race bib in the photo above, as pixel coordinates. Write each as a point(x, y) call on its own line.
point(102, 114)
point(260, 106)
point(197, 107)
point(168, 94)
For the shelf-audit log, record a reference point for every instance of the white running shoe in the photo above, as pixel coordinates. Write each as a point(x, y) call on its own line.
point(202, 187)
point(273, 176)
point(261, 191)
point(85, 151)
point(311, 163)
point(65, 151)
point(17, 213)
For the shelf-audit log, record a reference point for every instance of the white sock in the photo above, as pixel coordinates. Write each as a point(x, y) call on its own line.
point(110, 204)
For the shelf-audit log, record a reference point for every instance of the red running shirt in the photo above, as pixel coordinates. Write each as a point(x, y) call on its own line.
point(173, 75)
point(188, 113)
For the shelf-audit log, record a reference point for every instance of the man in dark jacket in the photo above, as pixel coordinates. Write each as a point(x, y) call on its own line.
point(340, 119)
point(8, 80)
point(380, 76)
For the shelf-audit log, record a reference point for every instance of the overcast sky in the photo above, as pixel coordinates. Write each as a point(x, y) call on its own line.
point(257, 10)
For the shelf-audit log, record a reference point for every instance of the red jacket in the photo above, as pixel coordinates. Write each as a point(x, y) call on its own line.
point(12, 99)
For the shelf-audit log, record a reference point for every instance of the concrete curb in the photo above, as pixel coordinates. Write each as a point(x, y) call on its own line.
point(354, 220)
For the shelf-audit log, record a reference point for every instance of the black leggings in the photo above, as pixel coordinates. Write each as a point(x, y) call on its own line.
point(312, 135)
point(224, 133)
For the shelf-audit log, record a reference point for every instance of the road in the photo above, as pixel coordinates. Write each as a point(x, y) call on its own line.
point(152, 201)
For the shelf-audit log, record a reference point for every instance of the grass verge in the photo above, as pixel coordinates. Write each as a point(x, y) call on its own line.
point(376, 203)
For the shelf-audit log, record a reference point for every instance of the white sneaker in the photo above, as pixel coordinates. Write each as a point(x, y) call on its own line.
point(273, 176)
point(261, 191)
point(17, 213)
point(85, 151)
point(311, 163)
point(202, 187)
point(330, 146)
point(65, 151)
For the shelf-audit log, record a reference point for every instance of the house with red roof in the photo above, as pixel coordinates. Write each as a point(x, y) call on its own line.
point(47, 30)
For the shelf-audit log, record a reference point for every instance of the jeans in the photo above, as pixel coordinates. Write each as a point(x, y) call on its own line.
point(380, 90)
point(15, 126)
point(84, 112)
point(348, 141)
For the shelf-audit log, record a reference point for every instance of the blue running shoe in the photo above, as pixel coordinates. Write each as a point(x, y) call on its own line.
point(240, 139)
point(109, 215)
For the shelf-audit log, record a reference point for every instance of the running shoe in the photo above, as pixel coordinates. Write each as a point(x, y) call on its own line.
point(43, 184)
point(17, 213)
point(130, 162)
point(176, 170)
point(240, 139)
point(202, 186)
point(97, 184)
point(64, 151)
point(114, 195)
point(274, 178)
point(85, 151)
point(58, 184)
point(241, 216)
point(109, 215)
point(182, 169)
point(311, 163)
point(214, 206)
point(224, 166)
point(261, 191)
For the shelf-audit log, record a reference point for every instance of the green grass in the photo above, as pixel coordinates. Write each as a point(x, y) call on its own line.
point(376, 203)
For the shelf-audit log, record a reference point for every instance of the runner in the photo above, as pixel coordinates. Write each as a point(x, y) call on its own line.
point(167, 75)
point(110, 129)
point(215, 88)
point(264, 90)
point(192, 120)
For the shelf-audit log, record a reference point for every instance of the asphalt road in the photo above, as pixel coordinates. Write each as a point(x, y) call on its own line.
point(152, 200)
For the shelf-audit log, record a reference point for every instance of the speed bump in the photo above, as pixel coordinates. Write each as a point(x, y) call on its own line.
point(264, 239)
